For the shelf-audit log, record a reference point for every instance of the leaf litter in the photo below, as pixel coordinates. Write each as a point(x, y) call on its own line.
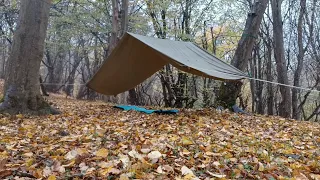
point(93, 140)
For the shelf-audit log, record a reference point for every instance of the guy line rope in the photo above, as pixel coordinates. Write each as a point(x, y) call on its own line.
point(245, 77)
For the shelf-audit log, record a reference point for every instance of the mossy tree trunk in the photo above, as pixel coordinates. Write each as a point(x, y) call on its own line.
point(22, 87)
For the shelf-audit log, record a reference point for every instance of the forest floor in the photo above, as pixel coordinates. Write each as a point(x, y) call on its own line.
point(92, 140)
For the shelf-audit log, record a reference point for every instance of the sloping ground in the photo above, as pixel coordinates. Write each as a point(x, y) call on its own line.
point(92, 140)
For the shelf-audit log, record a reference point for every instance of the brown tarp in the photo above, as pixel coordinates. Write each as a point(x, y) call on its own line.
point(138, 57)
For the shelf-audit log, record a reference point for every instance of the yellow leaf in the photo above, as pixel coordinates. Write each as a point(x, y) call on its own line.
point(261, 167)
point(240, 166)
point(189, 177)
point(29, 135)
point(105, 164)
point(185, 152)
point(81, 151)
point(186, 141)
point(237, 173)
point(19, 116)
point(29, 162)
point(208, 153)
point(102, 153)
point(52, 177)
point(70, 164)
point(269, 123)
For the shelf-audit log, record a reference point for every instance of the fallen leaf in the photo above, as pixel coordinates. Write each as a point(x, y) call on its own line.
point(216, 175)
point(81, 151)
point(124, 177)
point(261, 167)
point(102, 153)
point(29, 162)
point(186, 141)
point(154, 156)
point(125, 160)
point(29, 154)
point(300, 176)
point(185, 170)
point(315, 176)
point(47, 171)
point(5, 173)
point(104, 164)
point(216, 163)
point(145, 150)
point(167, 168)
point(115, 171)
point(71, 155)
point(159, 170)
point(83, 167)
point(52, 177)
point(135, 154)
point(3, 162)
point(212, 154)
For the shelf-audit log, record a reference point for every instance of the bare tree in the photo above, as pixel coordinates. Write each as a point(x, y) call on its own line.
point(296, 112)
point(285, 105)
point(22, 87)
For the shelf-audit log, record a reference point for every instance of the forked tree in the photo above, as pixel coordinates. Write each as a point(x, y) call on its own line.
point(229, 93)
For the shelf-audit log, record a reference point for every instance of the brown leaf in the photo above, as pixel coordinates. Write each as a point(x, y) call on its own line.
point(5, 173)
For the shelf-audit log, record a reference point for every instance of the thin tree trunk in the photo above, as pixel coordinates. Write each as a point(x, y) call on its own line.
point(270, 98)
point(259, 88)
point(43, 89)
point(252, 66)
point(22, 87)
point(296, 112)
point(115, 26)
point(285, 105)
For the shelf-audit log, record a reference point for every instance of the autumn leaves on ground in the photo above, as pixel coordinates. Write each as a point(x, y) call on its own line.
point(92, 140)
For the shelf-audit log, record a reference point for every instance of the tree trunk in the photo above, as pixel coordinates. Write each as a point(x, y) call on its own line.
point(252, 66)
point(270, 100)
point(22, 87)
point(72, 74)
point(115, 26)
point(259, 85)
point(230, 91)
point(43, 89)
point(285, 105)
point(296, 112)
point(133, 96)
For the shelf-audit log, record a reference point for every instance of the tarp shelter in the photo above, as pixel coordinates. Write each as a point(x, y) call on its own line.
point(138, 57)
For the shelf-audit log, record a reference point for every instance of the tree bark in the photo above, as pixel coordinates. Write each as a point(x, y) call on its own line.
point(259, 85)
point(115, 26)
point(270, 93)
point(22, 87)
point(285, 105)
point(133, 96)
point(296, 112)
point(230, 91)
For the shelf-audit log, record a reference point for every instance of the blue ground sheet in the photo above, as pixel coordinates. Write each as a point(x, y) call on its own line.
point(147, 111)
